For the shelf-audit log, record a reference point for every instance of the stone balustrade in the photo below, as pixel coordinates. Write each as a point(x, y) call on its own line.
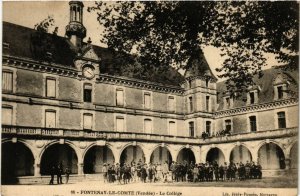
point(14, 131)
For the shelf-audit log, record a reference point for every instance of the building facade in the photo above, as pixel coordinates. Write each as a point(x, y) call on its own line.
point(60, 105)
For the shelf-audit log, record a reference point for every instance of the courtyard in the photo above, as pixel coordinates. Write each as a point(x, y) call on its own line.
point(283, 185)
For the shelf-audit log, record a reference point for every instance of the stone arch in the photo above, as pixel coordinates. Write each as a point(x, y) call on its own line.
point(160, 154)
point(95, 156)
point(56, 153)
point(215, 154)
point(186, 154)
point(240, 153)
point(132, 152)
point(17, 160)
point(73, 146)
point(271, 156)
point(294, 155)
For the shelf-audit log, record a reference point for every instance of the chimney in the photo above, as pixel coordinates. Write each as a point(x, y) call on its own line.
point(75, 29)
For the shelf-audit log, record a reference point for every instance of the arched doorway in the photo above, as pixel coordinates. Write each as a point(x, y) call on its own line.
point(160, 155)
point(186, 155)
point(132, 154)
point(17, 160)
point(59, 154)
point(215, 154)
point(294, 156)
point(95, 157)
point(240, 154)
point(270, 156)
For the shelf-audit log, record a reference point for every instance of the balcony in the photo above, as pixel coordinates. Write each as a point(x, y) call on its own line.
point(33, 132)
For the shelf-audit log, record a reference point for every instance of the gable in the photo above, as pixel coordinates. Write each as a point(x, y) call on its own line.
point(90, 54)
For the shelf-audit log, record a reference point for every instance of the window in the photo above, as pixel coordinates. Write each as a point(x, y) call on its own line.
point(50, 119)
point(252, 97)
point(7, 81)
point(171, 103)
point(148, 126)
point(207, 103)
point(191, 129)
point(252, 120)
point(227, 125)
point(50, 87)
point(208, 127)
point(172, 128)
point(226, 102)
point(281, 120)
point(147, 100)
point(191, 104)
point(206, 83)
point(190, 84)
point(87, 93)
point(120, 124)
point(280, 92)
point(120, 97)
point(88, 121)
point(7, 116)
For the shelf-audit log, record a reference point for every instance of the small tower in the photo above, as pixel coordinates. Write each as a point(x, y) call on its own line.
point(200, 95)
point(75, 29)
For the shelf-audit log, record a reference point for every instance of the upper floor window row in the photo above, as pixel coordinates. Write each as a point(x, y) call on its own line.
point(7, 81)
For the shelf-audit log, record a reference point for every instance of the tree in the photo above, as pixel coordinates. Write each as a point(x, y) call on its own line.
point(42, 43)
point(164, 34)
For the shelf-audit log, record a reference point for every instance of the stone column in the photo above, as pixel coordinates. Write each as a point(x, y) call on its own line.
point(36, 166)
point(287, 162)
point(37, 170)
point(80, 168)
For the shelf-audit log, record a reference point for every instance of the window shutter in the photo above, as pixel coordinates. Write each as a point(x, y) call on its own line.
point(88, 121)
point(7, 80)
point(50, 119)
point(51, 87)
point(7, 116)
point(120, 98)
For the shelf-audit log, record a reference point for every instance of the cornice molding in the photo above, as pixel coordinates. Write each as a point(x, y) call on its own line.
point(40, 66)
point(61, 70)
point(135, 83)
point(255, 108)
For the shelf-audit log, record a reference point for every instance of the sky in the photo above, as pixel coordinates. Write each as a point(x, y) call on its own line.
point(29, 13)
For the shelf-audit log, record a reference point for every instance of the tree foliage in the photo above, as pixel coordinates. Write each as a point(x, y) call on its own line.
point(164, 34)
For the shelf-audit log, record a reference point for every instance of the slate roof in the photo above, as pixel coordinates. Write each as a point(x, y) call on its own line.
point(266, 93)
point(22, 43)
point(198, 66)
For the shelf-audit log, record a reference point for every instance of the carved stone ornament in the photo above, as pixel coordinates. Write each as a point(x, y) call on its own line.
point(82, 145)
point(101, 143)
point(39, 143)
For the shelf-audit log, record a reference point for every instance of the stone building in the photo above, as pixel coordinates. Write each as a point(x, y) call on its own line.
point(63, 103)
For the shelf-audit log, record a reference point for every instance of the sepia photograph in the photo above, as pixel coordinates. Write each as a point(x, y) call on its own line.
point(150, 98)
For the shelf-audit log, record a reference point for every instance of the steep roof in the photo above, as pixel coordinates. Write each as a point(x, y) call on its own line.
point(28, 43)
point(198, 66)
point(266, 92)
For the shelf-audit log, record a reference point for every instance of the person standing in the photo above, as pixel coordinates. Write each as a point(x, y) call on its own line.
point(165, 171)
point(104, 171)
point(67, 172)
point(52, 173)
point(59, 173)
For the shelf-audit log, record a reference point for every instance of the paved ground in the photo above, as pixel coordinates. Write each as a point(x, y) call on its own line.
point(284, 186)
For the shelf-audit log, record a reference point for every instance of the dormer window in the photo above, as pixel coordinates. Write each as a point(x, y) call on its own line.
point(228, 102)
point(279, 92)
point(189, 83)
point(252, 97)
point(280, 83)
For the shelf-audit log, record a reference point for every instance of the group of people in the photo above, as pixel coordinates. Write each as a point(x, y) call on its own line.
point(221, 133)
point(176, 172)
point(58, 171)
